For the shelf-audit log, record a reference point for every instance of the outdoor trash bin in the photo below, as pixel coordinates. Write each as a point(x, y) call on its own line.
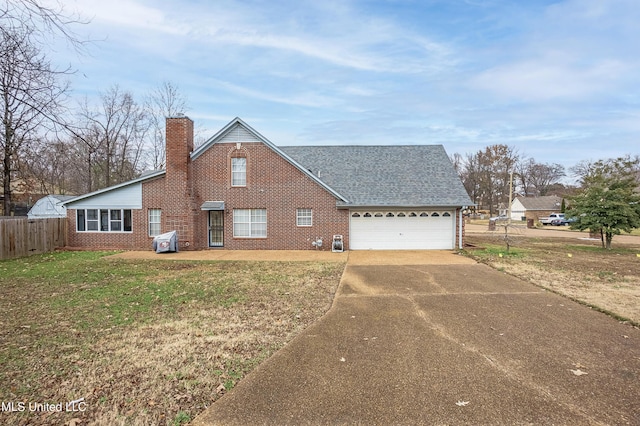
point(165, 243)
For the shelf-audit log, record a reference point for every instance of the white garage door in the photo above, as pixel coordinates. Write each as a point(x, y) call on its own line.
point(402, 230)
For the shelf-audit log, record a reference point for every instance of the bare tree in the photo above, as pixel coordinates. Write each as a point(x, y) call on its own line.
point(538, 178)
point(486, 175)
point(165, 101)
point(31, 99)
point(51, 164)
point(44, 18)
point(471, 175)
point(111, 138)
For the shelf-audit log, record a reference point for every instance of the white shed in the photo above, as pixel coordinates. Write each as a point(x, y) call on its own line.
point(49, 206)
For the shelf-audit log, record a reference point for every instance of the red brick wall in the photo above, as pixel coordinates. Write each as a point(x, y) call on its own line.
point(137, 239)
point(178, 209)
point(272, 184)
point(458, 229)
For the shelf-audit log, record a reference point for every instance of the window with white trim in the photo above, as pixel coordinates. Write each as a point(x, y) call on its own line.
point(154, 222)
point(304, 217)
point(103, 220)
point(238, 172)
point(250, 223)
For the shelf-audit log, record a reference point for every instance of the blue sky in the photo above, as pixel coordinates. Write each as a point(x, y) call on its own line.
point(558, 80)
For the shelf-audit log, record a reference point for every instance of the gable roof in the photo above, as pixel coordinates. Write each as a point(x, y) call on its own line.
point(145, 176)
point(550, 202)
point(239, 131)
point(367, 176)
point(399, 175)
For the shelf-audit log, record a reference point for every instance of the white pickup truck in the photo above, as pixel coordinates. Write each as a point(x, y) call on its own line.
point(553, 216)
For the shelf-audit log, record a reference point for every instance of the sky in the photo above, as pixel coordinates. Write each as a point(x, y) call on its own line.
point(557, 80)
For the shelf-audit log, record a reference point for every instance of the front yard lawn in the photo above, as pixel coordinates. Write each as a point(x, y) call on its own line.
point(608, 280)
point(144, 341)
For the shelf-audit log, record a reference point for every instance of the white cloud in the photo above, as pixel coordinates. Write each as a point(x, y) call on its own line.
point(576, 50)
point(336, 35)
point(550, 78)
point(465, 73)
point(131, 14)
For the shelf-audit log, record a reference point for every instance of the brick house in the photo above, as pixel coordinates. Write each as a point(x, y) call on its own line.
point(240, 191)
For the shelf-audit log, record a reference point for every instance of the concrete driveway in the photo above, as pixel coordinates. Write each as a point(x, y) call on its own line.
point(443, 340)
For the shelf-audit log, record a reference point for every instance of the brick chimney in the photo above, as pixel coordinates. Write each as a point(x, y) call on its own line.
point(178, 207)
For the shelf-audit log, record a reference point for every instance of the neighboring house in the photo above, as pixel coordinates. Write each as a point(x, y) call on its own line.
point(240, 191)
point(523, 208)
point(49, 206)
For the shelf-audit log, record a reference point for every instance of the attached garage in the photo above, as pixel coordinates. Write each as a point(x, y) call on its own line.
point(402, 197)
point(402, 230)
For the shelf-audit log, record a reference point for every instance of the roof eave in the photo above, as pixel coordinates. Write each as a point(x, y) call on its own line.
point(401, 206)
point(114, 187)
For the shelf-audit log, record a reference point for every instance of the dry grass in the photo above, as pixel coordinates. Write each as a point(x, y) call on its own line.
point(145, 342)
point(579, 269)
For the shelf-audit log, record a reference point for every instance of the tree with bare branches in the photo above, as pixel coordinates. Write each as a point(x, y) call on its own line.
point(44, 20)
point(536, 179)
point(485, 175)
point(110, 139)
point(31, 99)
point(165, 101)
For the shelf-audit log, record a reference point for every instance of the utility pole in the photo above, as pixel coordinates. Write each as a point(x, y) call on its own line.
point(510, 194)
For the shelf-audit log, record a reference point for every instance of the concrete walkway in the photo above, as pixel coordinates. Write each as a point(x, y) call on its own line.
point(443, 341)
point(251, 255)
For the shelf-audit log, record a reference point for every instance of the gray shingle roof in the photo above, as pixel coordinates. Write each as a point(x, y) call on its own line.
point(409, 175)
point(550, 202)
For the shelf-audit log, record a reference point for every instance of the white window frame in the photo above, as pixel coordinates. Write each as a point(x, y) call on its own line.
point(154, 222)
point(116, 220)
point(94, 223)
point(239, 171)
point(304, 217)
point(250, 223)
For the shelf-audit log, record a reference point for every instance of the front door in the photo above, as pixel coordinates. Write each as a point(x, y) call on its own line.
point(216, 228)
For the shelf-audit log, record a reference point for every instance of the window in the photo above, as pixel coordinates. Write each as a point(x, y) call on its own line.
point(92, 220)
point(250, 223)
point(80, 221)
point(116, 220)
point(105, 220)
point(304, 217)
point(238, 172)
point(390, 214)
point(128, 219)
point(154, 222)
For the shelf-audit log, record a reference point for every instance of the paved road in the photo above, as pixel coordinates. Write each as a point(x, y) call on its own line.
point(550, 231)
point(439, 343)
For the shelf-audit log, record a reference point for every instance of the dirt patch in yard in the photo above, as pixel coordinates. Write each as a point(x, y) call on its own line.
point(576, 268)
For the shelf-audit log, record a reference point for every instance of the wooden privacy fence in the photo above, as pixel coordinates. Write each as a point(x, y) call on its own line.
point(23, 236)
